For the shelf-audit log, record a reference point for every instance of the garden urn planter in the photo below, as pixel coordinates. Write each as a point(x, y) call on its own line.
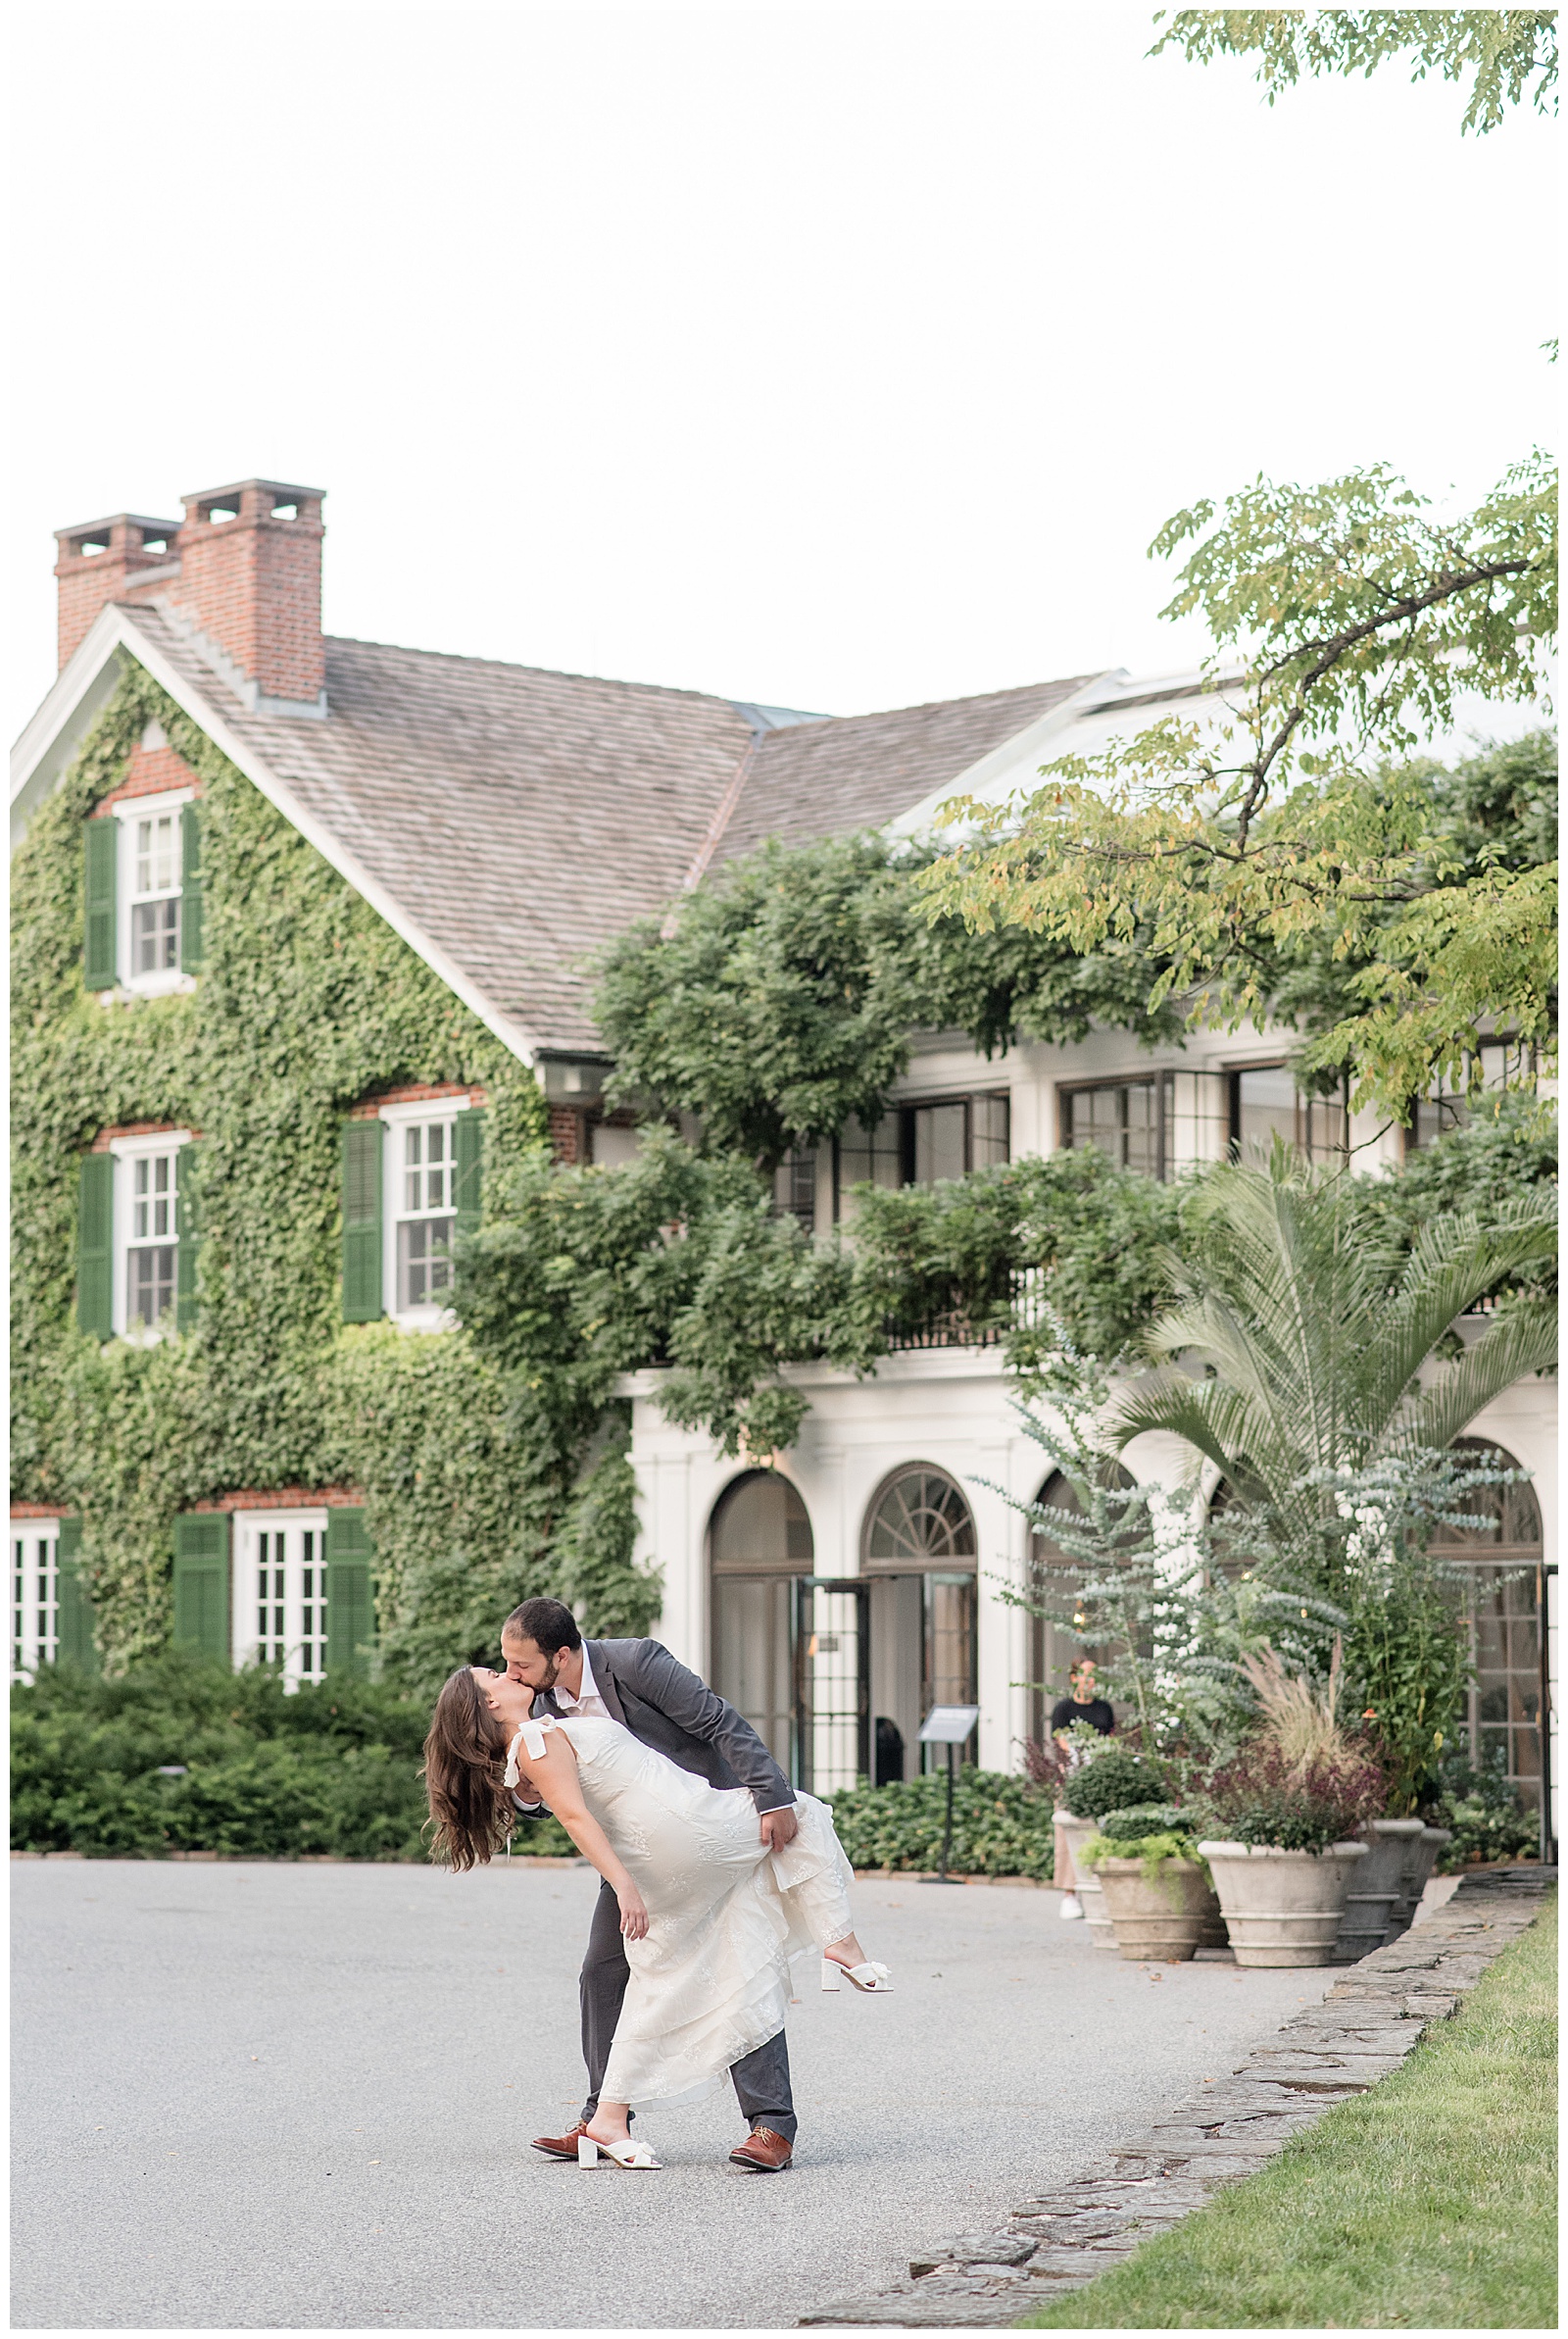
point(1095, 1915)
point(1281, 1908)
point(1420, 1856)
point(1374, 1891)
point(1163, 1921)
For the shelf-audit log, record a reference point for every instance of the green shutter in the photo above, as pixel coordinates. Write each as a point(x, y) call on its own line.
point(185, 1226)
point(350, 1598)
point(201, 1582)
point(101, 971)
point(95, 1247)
point(74, 1613)
point(362, 1222)
point(468, 1157)
point(190, 889)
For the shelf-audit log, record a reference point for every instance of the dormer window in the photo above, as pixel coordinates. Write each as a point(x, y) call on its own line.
point(155, 894)
point(143, 921)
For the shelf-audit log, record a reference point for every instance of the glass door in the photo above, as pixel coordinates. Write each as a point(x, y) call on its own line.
point(832, 1673)
point(754, 1657)
point(949, 1654)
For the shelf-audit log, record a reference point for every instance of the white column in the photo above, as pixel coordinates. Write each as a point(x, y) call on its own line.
point(995, 1618)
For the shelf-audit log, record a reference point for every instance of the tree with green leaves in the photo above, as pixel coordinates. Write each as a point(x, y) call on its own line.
point(1347, 618)
point(1512, 52)
point(782, 995)
point(1314, 1337)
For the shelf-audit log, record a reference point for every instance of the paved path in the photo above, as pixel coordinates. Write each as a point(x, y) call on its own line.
point(256, 2096)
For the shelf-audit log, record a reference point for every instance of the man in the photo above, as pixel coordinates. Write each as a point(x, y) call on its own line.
point(639, 1684)
point(1096, 1712)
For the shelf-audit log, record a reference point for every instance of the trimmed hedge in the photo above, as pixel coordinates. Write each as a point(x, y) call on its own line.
point(334, 1769)
point(1001, 1826)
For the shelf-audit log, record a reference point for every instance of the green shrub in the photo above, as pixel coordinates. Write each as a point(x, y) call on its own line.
point(333, 1769)
point(1141, 1820)
point(1002, 1826)
point(1112, 1782)
point(1478, 1804)
point(1152, 1851)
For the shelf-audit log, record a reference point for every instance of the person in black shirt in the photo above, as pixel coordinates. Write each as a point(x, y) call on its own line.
point(1082, 1705)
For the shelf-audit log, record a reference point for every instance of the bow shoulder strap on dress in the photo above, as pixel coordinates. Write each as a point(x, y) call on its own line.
point(532, 1736)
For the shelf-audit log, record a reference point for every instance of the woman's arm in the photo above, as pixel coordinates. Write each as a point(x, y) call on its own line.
point(552, 1777)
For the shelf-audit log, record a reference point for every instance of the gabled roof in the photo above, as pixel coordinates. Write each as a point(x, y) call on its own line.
point(854, 771)
point(508, 821)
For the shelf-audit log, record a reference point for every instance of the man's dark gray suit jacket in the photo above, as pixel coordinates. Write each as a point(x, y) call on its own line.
point(662, 1703)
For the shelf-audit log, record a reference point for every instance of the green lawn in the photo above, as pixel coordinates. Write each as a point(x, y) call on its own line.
point(1430, 2202)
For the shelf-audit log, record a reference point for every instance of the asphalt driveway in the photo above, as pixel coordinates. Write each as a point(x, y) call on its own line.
point(254, 2096)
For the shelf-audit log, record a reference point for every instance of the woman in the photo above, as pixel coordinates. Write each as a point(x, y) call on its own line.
point(711, 1917)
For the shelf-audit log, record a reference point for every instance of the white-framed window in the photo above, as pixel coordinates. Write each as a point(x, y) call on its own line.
point(279, 1604)
point(420, 1168)
point(151, 883)
point(35, 1595)
point(146, 1230)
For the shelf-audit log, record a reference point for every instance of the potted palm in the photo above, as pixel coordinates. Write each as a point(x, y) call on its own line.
point(1157, 1885)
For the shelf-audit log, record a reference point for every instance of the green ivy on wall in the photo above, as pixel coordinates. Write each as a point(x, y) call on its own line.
point(306, 1003)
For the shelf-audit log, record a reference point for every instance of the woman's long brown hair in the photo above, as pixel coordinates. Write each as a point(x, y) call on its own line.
point(470, 1811)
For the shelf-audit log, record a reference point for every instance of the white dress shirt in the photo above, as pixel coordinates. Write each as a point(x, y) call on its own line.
point(587, 1699)
point(587, 1702)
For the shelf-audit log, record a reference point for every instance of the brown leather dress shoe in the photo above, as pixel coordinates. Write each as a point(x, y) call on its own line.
point(764, 2150)
point(562, 2148)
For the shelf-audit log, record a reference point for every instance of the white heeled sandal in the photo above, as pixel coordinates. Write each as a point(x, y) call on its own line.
point(875, 1980)
point(625, 2150)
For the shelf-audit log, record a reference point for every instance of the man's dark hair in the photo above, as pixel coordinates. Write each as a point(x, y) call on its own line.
point(548, 1623)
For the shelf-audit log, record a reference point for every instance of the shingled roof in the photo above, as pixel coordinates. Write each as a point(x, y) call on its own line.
point(509, 822)
point(854, 771)
point(522, 817)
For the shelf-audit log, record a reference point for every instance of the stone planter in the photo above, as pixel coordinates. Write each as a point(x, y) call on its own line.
point(1281, 1908)
point(1164, 1921)
point(1095, 1915)
point(1420, 1857)
point(1375, 1889)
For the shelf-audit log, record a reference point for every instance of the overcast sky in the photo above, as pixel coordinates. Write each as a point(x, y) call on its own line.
point(839, 359)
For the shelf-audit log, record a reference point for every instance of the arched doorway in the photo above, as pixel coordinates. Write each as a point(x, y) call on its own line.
point(759, 1545)
point(1507, 1567)
point(919, 1561)
point(1055, 1649)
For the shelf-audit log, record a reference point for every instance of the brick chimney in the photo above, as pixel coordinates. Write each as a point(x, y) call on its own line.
point(98, 562)
point(250, 577)
point(244, 567)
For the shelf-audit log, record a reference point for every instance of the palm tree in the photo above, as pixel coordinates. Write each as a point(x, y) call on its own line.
point(1319, 1339)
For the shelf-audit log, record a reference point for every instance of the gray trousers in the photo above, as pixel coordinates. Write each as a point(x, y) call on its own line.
point(761, 2078)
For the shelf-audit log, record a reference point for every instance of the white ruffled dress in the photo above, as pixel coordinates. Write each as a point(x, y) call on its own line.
point(710, 1980)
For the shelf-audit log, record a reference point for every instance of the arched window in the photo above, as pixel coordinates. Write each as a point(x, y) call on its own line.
point(760, 1522)
point(1055, 1649)
point(760, 1541)
point(1508, 1565)
point(919, 1555)
point(920, 1520)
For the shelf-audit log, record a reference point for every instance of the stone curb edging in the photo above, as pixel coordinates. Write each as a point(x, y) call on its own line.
point(1373, 2015)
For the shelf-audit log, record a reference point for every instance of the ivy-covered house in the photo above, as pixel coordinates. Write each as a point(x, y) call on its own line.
point(302, 931)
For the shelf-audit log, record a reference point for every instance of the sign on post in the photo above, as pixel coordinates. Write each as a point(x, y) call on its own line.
point(948, 1726)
